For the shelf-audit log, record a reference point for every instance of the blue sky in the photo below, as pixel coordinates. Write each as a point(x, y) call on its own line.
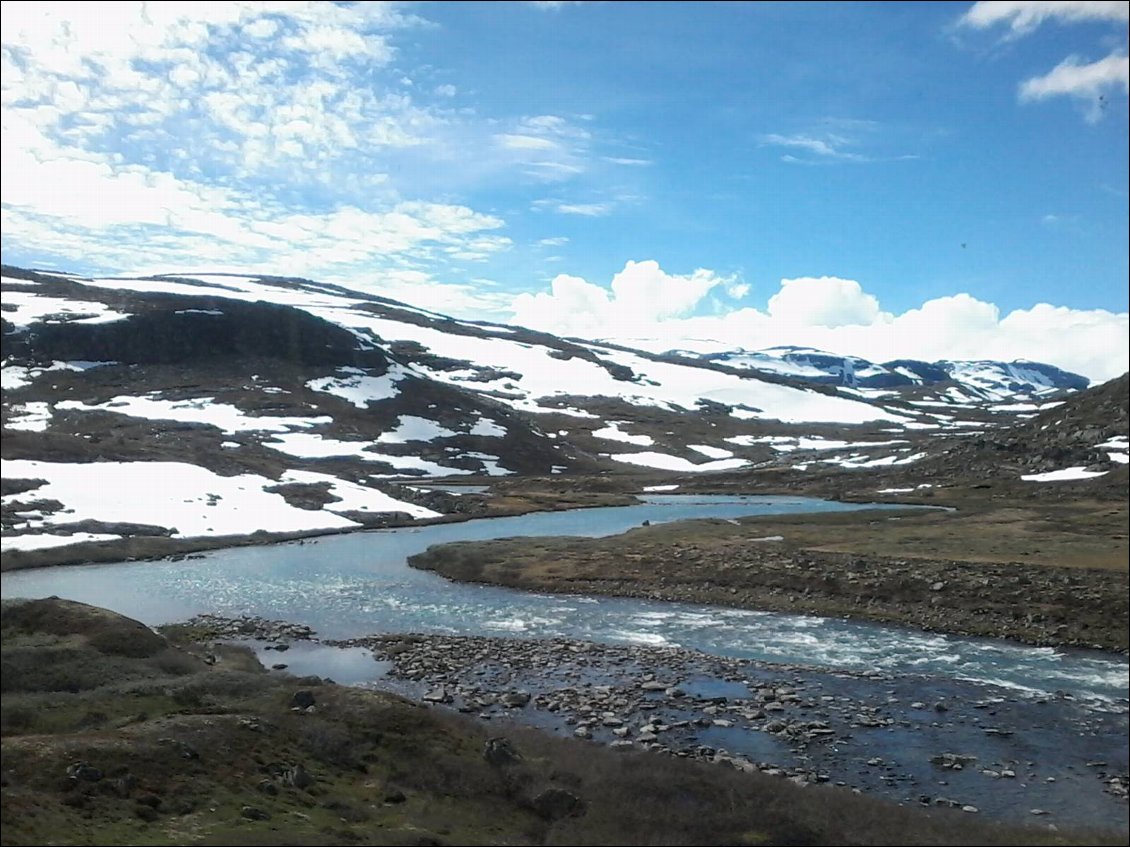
point(887, 179)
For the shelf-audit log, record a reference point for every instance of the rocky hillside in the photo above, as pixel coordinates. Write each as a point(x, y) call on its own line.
point(1082, 440)
point(142, 413)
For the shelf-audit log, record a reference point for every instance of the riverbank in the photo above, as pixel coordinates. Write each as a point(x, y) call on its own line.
point(115, 735)
point(1044, 574)
point(963, 747)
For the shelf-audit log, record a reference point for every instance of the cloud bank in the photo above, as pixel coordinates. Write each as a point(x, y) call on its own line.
point(647, 307)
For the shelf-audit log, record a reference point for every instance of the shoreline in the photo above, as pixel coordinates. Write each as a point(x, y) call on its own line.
point(912, 740)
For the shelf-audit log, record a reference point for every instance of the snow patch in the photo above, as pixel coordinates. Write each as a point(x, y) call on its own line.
point(488, 428)
point(1062, 475)
point(36, 308)
point(412, 428)
point(357, 498)
point(200, 410)
point(39, 541)
point(29, 417)
point(188, 499)
point(355, 386)
point(612, 432)
point(711, 452)
point(667, 462)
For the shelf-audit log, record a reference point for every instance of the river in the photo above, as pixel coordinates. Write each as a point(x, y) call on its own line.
point(1067, 708)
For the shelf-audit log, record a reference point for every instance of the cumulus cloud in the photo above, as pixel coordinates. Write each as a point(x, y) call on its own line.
point(646, 307)
point(639, 297)
point(823, 301)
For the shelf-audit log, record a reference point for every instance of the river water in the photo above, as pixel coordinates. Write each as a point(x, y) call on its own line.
point(1065, 710)
point(356, 584)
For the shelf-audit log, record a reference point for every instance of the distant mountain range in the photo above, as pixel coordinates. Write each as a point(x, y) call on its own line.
point(978, 381)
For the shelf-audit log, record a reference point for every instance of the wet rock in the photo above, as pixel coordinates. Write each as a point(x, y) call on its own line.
point(515, 699)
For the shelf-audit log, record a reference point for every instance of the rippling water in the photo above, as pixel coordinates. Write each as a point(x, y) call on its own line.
point(357, 584)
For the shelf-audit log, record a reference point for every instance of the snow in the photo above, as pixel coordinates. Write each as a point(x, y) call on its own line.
point(790, 443)
point(306, 445)
point(612, 432)
point(188, 499)
point(29, 417)
point(357, 387)
point(39, 541)
point(1119, 442)
point(34, 308)
point(486, 427)
point(857, 461)
point(711, 452)
point(490, 464)
point(200, 410)
point(213, 312)
point(412, 428)
point(894, 490)
point(357, 498)
point(667, 462)
point(750, 440)
point(1116, 448)
point(1062, 475)
point(16, 376)
point(661, 487)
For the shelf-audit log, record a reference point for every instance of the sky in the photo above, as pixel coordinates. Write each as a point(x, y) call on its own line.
point(887, 180)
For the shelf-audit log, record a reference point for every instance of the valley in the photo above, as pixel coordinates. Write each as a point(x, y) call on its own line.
point(235, 445)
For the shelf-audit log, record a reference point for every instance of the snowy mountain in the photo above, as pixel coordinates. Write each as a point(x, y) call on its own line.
point(986, 383)
point(142, 413)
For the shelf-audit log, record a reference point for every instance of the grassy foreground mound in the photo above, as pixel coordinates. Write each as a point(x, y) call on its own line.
point(113, 734)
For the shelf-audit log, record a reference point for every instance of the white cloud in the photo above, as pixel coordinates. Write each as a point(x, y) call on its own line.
point(526, 142)
point(830, 146)
point(823, 301)
point(164, 136)
point(646, 307)
point(588, 210)
point(1087, 82)
point(553, 5)
point(639, 296)
point(1023, 16)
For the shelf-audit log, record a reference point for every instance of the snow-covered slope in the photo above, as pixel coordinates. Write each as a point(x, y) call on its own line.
point(987, 384)
point(197, 406)
point(218, 404)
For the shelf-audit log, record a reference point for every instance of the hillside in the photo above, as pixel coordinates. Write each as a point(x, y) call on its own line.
point(148, 416)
